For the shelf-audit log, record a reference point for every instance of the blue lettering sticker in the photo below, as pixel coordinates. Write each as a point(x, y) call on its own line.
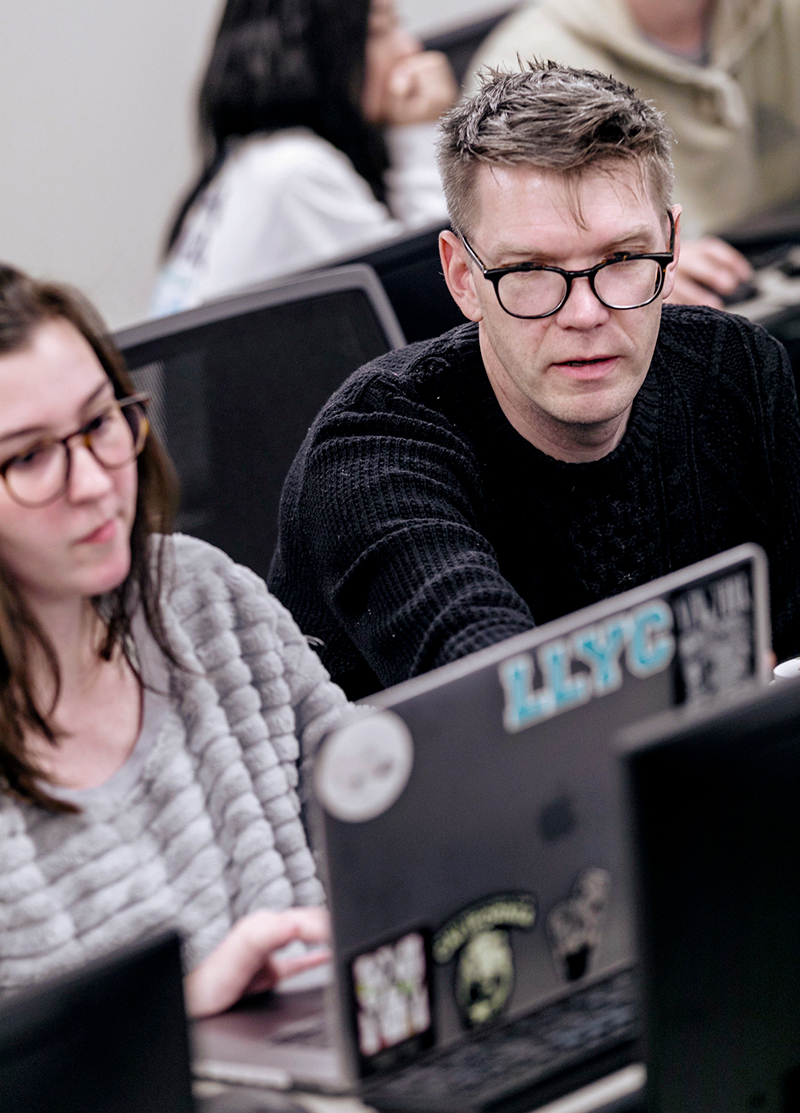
point(523, 706)
point(601, 647)
point(567, 688)
point(652, 644)
point(645, 635)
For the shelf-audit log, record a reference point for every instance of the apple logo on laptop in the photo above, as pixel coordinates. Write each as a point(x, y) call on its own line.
point(558, 818)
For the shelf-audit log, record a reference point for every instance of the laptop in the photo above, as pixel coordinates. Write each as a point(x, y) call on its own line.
point(716, 823)
point(476, 863)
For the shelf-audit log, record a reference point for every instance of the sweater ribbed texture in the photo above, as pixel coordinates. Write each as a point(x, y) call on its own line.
point(418, 526)
point(209, 829)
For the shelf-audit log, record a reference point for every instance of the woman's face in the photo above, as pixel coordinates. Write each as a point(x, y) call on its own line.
point(388, 43)
point(78, 545)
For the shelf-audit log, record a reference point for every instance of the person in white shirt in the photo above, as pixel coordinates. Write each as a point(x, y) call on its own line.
point(318, 122)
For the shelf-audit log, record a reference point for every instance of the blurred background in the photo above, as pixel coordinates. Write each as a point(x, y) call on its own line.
point(97, 134)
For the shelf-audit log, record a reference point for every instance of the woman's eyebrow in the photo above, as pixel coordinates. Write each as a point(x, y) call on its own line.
point(30, 430)
point(104, 387)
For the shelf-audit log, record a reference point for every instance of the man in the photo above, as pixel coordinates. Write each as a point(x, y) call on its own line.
point(726, 73)
point(569, 443)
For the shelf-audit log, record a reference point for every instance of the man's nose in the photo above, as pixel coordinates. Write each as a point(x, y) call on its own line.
point(583, 308)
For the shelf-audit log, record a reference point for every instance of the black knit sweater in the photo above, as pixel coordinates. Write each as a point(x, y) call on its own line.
point(418, 526)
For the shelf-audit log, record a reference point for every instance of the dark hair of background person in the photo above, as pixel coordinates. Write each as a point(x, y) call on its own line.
point(26, 305)
point(282, 64)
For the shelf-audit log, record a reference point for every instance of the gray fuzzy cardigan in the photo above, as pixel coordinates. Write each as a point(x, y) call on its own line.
point(201, 825)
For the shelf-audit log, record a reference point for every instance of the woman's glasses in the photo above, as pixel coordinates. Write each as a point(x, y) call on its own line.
point(40, 475)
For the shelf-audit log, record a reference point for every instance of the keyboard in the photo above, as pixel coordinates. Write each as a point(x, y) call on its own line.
point(524, 1062)
point(774, 291)
point(310, 1031)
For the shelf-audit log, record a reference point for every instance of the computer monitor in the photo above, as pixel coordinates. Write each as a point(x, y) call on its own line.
point(236, 383)
point(110, 1038)
point(411, 274)
point(715, 819)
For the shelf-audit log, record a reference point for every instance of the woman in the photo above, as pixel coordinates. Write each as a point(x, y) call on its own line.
point(152, 694)
point(299, 168)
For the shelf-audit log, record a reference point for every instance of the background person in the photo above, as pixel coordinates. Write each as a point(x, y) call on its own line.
point(153, 695)
point(726, 73)
point(317, 120)
point(576, 439)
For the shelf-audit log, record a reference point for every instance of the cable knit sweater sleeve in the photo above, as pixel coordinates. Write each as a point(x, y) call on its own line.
point(417, 526)
point(382, 514)
point(775, 423)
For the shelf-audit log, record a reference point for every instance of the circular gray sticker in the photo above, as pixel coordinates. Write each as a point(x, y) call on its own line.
point(364, 766)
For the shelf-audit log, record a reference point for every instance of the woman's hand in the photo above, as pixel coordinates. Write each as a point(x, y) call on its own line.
point(420, 88)
point(708, 268)
point(244, 962)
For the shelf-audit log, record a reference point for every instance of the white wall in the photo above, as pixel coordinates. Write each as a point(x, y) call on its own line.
point(97, 133)
point(424, 17)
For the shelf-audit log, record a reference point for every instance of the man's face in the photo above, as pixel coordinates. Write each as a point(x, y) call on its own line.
point(569, 379)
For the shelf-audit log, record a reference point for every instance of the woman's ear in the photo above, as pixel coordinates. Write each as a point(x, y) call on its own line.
point(459, 276)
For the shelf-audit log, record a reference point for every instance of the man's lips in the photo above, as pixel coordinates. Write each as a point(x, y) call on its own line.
point(593, 367)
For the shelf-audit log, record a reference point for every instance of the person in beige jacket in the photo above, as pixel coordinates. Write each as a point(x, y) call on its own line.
point(726, 73)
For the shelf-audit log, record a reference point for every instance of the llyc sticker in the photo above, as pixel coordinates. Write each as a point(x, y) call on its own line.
point(585, 665)
point(573, 925)
point(390, 986)
point(479, 937)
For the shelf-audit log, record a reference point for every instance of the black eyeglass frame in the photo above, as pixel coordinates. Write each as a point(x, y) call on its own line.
point(494, 274)
point(85, 433)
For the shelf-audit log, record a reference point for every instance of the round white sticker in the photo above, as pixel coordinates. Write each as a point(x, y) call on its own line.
point(363, 767)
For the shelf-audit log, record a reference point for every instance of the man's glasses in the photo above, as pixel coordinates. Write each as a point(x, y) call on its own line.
point(40, 475)
point(533, 290)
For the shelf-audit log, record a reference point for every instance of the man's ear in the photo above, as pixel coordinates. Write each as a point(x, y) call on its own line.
point(669, 277)
point(459, 276)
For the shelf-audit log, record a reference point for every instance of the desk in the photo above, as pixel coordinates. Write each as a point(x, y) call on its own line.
point(314, 1103)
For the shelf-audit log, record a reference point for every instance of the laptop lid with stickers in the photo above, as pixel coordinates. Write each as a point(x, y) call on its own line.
point(471, 824)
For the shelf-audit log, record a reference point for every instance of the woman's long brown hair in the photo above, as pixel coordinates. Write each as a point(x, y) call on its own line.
point(26, 305)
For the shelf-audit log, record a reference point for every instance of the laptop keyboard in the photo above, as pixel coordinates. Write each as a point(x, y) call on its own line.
point(311, 1031)
point(517, 1056)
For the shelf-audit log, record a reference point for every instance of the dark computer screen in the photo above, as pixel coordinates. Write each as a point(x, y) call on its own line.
point(716, 827)
point(411, 273)
point(110, 1038)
